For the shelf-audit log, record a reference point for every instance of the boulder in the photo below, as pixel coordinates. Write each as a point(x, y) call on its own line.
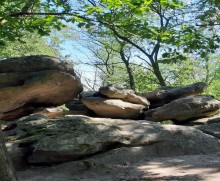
point(183, 109)
point(113, 108)
point(19, 112)
point(18, 153)
point(206, 120)
point(34, 63)
point(212, 129)
point(165, 95)
point(126, 95)
point(49, 141)
point(27, 83)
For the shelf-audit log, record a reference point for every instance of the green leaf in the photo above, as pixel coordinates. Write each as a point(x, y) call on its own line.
point(203, 54)
point(86, 6)
point(165, 55)
point(80, 25)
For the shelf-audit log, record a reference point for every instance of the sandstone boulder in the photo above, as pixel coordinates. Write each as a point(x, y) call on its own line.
point(34, 63)
point(183, 109)
point(47, 141)
point(113, 108)
point(165, 95)
point(126, 95)
point(27, 83)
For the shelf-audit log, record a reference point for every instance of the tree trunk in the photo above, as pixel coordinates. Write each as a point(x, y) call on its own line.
point(131, 76)
point(158, 74)
point(128, 68)
point(6, 168)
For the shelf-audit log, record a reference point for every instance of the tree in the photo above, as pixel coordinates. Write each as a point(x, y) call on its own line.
point(30, 44)
point(161, 31)
point(210, 17)
point(111, 54)
point(161, 28)
point(6, 169)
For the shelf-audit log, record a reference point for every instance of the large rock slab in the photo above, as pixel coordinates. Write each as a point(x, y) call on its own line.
point(187, 108)
point(126, 95)
point(27, 83)
point(47, 141)
point(165, 95)
point(113, 108)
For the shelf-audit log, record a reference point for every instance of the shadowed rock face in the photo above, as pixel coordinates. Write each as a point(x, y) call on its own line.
point(184, 109)
point(27, 83)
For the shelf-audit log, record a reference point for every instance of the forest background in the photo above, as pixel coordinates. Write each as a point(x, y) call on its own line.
point(137, 44)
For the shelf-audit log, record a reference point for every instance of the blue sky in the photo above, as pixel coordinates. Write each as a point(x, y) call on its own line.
point(80, 56)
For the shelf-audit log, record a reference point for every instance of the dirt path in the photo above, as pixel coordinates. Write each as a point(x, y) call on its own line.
point(183, 168)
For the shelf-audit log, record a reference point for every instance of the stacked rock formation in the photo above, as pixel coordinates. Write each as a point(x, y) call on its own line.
point(181, 104)
point(177, 104)
point(27, 83)
point(113, 102)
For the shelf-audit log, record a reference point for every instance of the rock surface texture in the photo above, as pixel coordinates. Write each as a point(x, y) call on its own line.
point(113, 102)
point(27, 83)
point(165, 95)
point(184, 109)
point(177, 104)
point(48, 141)
point(126, 95)
point(212, 129)
point(113, 108)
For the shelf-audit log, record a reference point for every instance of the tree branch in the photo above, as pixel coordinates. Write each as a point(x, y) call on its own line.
point(131, 42)
point(48, 14)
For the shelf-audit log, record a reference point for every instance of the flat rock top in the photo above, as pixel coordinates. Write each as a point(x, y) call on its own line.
point(175, 92)
point(33, 64)
point(184, 168)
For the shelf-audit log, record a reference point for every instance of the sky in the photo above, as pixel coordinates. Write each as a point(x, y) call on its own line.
point(80, 55)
